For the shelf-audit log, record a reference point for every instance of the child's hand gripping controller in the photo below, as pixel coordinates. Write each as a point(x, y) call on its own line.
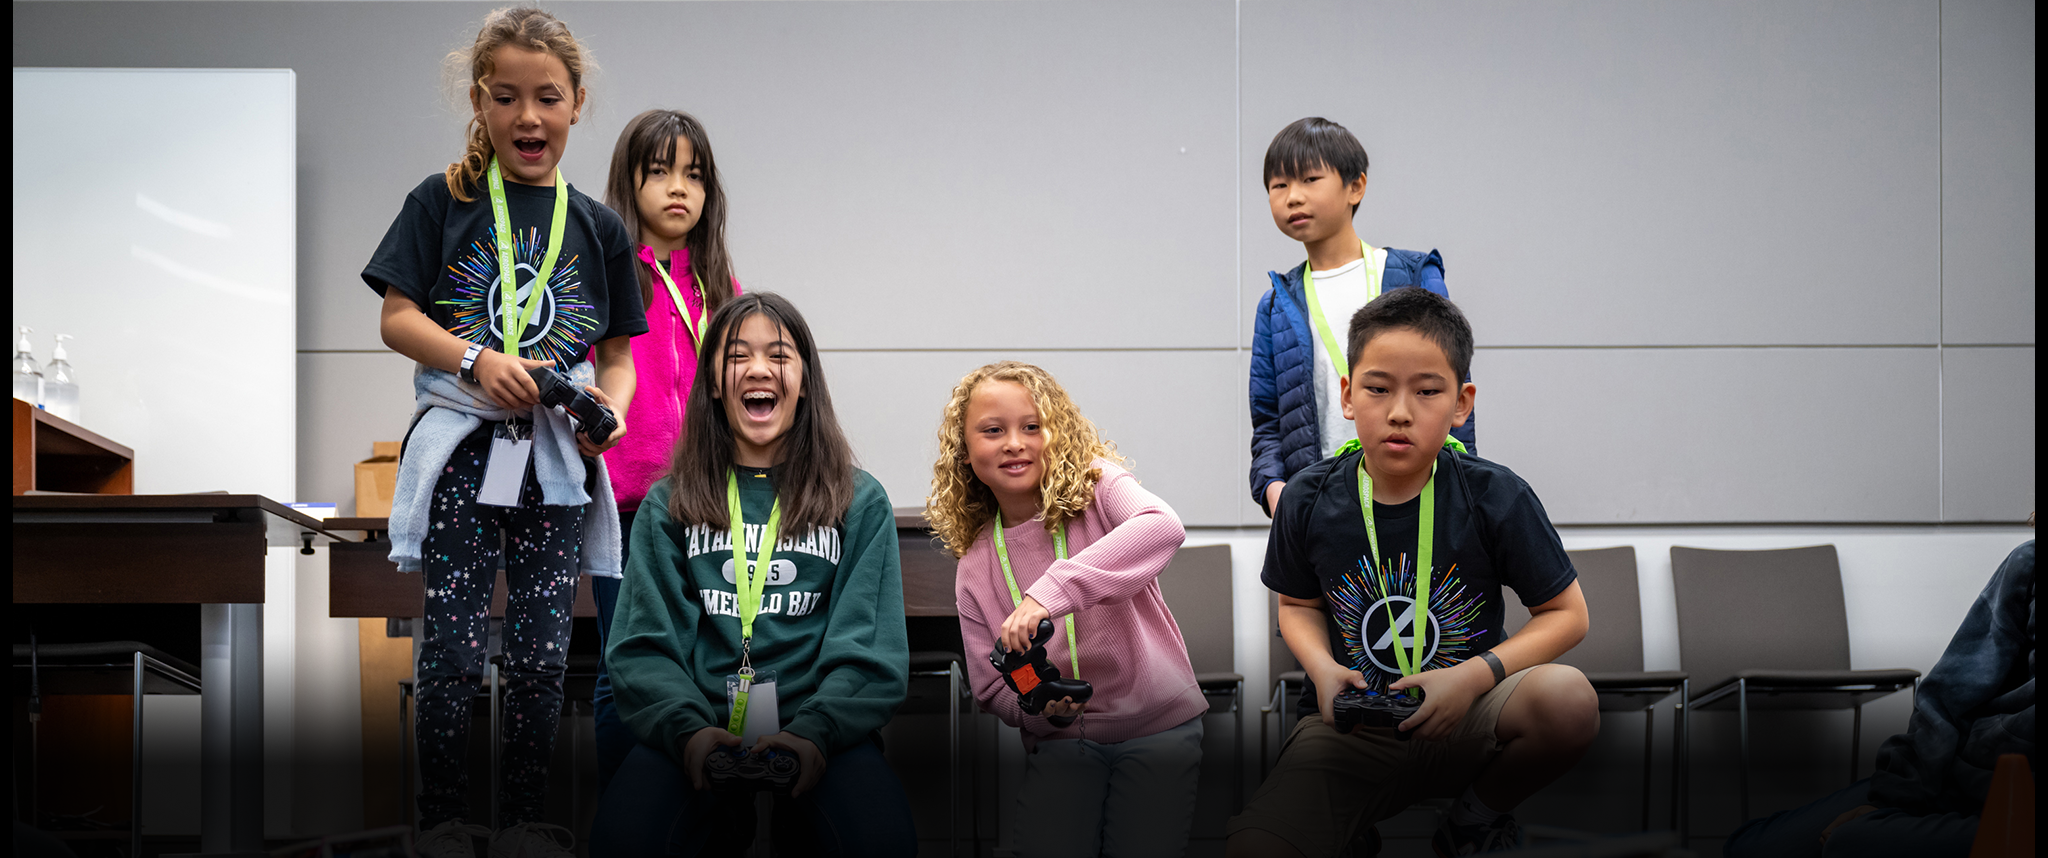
point(1034, 679)
point(1354, 707)
point(593, 419)
point(734, 770)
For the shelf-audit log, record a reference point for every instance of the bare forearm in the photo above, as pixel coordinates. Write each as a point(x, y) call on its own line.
point(615, 373)
point(1302, 627)
point(1548, 635)
point(409, 332)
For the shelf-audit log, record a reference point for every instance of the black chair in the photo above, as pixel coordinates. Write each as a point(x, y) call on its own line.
point(106, 668)
point(1196, 586)
point(1611, 656)
point(925, 697)
point(1769, 630)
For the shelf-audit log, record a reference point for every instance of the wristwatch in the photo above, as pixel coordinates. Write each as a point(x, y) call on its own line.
point(469, 356)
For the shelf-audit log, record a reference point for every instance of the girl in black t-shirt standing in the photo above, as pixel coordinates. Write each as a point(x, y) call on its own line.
point(495, 268)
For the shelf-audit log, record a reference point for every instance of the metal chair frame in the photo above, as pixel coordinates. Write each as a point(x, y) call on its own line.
point(1236, 694)
point(1742, 687)
point(142, 664)
point(1681, 763)
point(956, 695)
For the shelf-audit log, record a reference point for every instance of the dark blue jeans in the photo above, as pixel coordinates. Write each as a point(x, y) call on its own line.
point(651, 811)
point(614, 739)
point(460, 554)
point(1880, 833)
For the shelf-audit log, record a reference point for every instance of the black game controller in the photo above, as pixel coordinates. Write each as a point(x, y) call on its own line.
point(1034, 679)
point(734, 770)
point(1354, 707)
point(592, 418)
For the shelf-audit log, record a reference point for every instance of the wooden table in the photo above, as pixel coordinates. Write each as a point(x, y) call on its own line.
point(207, 549)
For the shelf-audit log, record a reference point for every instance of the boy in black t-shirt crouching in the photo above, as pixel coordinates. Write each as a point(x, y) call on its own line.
point(1371, 600)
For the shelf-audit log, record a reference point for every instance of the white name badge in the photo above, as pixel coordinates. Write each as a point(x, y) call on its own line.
point(505, 471)
point(763, 719)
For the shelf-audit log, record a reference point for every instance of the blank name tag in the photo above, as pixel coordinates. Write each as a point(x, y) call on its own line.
point(764, 717)
point(505, 472)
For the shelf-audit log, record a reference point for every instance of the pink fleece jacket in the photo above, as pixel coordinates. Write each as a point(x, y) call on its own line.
point(1131, 649)
point(664, 365)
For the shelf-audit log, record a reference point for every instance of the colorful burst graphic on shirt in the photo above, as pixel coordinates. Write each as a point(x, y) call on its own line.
point(561, 325)
point(1375, 612)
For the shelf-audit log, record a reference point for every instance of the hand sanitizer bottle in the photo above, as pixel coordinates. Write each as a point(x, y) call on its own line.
point(28, 377)
point(60, 387)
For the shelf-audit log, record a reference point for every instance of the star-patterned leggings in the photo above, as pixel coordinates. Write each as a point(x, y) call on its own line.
point(542, 545)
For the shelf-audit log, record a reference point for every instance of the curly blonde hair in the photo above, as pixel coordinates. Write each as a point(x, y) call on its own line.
point(471, 67)
point(960, 503)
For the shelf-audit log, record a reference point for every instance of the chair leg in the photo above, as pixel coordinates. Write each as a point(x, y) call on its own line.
point(1237, 750)
point(1649, 734)
point(1681, 791)
point(1742, 728)
point(1855, 742)
point(953, 730)
point(135, 770)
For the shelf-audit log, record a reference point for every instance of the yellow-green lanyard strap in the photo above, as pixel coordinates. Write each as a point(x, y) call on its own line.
point(750, 579)
point(1315, 307)
point(1059, 547)
point(694, 326)
point(1425, 539)
point(514, 320)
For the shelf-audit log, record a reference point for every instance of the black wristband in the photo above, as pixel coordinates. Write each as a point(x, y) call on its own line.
point(469, 356)
point(1500, 671)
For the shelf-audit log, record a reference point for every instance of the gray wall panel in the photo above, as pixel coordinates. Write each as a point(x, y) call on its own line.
point(944, 157)
point(1171, 413)
point(1623, 174)
point(347, 401)
point(1637, 436)
point(1988, 435)
point(1988, 171)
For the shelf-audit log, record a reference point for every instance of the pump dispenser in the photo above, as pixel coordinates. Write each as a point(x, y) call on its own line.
point(60, 387)
point(28, 377)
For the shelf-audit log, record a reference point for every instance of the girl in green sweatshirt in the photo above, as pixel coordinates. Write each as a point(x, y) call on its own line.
point(767, 555)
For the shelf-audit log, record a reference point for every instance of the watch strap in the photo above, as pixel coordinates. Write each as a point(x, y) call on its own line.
point(469, 357)
point(1500, 671)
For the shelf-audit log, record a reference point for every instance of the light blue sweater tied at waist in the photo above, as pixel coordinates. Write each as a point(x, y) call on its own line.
point(448, 409)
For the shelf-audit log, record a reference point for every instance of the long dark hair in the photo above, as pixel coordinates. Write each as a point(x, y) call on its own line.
point(650, 141)
point(814, 480)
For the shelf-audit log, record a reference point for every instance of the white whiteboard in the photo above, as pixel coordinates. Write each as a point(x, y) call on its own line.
point(155, 217)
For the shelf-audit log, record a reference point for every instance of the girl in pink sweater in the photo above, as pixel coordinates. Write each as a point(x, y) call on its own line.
point(664, 185)
point(1048, 525)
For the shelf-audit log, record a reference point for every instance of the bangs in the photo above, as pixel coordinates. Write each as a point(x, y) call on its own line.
point(1311, 144)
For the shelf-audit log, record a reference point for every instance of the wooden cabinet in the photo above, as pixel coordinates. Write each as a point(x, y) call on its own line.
point(52, 454)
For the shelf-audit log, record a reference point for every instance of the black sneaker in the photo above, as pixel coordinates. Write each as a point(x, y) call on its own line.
point(1364, 844)
point(1502, 834)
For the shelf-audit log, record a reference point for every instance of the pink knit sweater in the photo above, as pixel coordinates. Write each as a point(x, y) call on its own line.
point(1131, 649)
point(664, 366)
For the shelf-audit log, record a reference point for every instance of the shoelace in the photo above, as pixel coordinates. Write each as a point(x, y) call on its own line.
point(535, 840)
point(461, 835)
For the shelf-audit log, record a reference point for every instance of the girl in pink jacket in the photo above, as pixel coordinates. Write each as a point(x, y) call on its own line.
point(665, 185)
point(1049, 526)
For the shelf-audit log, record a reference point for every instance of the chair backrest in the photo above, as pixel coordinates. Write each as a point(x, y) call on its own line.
point(927, 569)
point(1742, 610)
point(1614, 603)
point(1196, 586)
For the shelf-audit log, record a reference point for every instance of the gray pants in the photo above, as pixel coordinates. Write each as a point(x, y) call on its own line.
point(1123, 799)
point(1880, 833)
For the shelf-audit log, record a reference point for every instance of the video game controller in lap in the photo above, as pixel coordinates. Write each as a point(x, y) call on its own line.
point(1033, 678)
point(734, 770)
point(1354, 707)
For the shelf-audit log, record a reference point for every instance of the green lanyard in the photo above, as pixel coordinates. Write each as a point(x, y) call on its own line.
point(1425, 539)
point(750, 587)
point(1315, 307)
point(1059, 547)
point(682, 309)
point(515, 321)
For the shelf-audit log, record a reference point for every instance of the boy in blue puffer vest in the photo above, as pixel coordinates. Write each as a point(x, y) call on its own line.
point(1315, 178)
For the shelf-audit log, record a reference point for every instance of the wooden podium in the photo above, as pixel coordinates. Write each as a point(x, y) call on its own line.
point(52, 454)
